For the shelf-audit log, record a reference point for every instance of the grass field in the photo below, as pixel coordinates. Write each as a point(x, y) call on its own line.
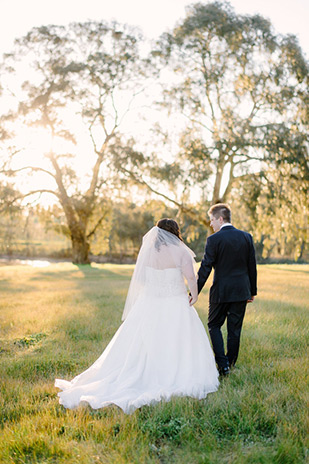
point(56, 321)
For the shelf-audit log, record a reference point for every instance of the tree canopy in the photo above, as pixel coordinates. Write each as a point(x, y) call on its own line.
point(243, 92)
point(235, 94)
point(89, 70)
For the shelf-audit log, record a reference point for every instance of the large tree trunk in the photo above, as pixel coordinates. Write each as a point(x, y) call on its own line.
point(80, 250)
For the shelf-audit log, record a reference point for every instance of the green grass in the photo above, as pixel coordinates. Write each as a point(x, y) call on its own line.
point(56, 321)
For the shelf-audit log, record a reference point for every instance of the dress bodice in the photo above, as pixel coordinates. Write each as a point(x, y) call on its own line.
point(164, 282)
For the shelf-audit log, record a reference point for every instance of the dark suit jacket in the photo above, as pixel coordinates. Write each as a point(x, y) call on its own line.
point(231, 253)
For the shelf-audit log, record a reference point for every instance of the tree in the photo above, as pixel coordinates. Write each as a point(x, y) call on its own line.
point(8, 197)
point(282, 214)
point(10, 215)
point(242, 91)
point(130, 222)
point(89, 73)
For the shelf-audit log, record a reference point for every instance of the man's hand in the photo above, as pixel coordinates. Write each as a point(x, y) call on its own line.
point(250, 300)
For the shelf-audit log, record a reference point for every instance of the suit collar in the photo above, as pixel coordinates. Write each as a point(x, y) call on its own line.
point(226, 224)
point(226, 228)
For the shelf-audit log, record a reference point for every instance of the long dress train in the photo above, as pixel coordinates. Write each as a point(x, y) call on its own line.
point(160, 350)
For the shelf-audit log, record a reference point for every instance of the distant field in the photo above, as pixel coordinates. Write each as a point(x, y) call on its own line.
point(55, 321)
point(59, 246)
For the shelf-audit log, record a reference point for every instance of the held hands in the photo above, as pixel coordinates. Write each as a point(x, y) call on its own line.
point(192, 299)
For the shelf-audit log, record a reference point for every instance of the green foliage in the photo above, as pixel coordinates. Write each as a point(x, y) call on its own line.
point(242, 90)
point(53, 219)
point(8, 194)
point(30, 340)
point(273, 212)
point(69, 313)
point(236, 98)
point(130, 222)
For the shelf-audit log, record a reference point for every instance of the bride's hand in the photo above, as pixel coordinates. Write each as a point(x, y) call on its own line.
point(192, 300)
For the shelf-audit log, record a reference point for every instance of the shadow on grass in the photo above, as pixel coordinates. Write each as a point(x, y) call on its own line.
point(8, 286)
point(88, 271)
point(271, 328)
point(72, 345)
point(77, 336)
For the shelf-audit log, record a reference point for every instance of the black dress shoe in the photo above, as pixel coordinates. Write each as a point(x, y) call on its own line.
point(224, 371)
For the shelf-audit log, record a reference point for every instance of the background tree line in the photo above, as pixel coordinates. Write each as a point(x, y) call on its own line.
point(38, 232)
point(217, 111)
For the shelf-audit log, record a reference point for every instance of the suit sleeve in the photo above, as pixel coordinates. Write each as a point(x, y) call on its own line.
point(206, 264)
point(252, 267)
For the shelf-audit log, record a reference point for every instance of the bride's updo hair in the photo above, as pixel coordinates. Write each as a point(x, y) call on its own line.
point(171, 226)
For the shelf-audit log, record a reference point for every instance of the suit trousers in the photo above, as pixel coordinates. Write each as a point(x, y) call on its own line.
point(234, 312)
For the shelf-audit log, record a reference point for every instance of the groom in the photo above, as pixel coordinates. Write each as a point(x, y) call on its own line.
point(231, 253)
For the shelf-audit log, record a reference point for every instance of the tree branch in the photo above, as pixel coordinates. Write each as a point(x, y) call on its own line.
point(196, 121)
point(40, 191)
point(97, 225)
point(207, 93)
point(192, 212)
point(21, 197)
point(34, 168)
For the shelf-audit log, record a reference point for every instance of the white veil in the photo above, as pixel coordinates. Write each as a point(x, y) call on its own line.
point(160, 250)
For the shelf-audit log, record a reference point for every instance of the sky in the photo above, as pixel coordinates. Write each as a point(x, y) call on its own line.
point(152, 16)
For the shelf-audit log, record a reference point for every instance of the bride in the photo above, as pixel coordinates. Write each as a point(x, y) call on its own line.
point(161, 350)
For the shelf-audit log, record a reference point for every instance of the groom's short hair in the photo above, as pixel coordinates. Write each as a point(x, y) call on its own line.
point(221, 209)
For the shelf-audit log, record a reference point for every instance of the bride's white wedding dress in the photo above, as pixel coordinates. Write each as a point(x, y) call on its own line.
point(161, 349)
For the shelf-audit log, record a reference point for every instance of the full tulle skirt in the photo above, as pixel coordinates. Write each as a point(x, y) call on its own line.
point(160, 351)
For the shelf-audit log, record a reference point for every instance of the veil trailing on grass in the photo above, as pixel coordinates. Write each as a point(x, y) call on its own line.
point(160, 250)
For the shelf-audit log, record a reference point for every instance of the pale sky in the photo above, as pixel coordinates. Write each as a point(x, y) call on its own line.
point(153, 16)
